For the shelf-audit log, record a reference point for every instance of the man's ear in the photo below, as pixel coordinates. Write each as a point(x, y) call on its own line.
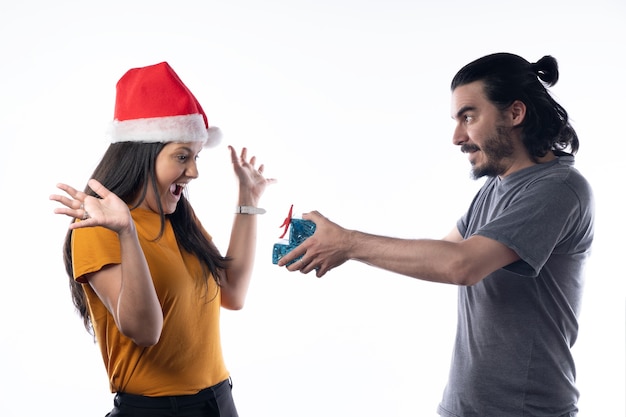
point(518, 112)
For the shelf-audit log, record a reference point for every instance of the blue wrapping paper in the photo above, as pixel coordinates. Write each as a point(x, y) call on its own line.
point(299, 231)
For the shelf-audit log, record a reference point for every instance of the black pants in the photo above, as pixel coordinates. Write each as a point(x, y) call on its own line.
point(215, 401)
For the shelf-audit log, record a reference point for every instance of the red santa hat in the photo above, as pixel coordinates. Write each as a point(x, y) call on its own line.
point(152, 104)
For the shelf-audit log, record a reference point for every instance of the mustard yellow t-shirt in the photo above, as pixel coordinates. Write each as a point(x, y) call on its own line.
point(188, 356)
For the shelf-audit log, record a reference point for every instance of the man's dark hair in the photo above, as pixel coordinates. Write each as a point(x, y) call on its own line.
point(508, 77)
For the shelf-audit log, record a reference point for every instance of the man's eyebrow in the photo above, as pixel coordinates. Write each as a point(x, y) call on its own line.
point(463, 110)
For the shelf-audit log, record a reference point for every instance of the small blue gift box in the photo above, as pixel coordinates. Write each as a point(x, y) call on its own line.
point(299, 231)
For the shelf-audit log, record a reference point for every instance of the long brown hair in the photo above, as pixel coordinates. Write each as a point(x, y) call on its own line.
point(127, 169)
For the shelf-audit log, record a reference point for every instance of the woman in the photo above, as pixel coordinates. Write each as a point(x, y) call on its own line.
point(144, 273)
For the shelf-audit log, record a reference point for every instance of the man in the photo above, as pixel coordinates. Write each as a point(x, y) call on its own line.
point(517, 254)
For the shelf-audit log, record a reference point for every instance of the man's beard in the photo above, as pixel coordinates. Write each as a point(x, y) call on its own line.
point(495, 149)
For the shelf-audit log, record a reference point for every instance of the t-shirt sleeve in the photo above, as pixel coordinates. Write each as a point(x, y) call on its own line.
point(92, 249)
point(540, 222)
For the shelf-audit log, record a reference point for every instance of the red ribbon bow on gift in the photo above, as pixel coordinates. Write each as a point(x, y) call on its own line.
point(287, 222)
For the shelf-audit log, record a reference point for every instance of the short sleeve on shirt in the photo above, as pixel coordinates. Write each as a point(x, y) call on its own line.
point(92, 249)
point(542, 218)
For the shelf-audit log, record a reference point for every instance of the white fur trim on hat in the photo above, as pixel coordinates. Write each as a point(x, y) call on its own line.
point(185, 128)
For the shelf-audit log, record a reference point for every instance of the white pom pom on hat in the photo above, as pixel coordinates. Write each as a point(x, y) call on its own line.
point(152, 104)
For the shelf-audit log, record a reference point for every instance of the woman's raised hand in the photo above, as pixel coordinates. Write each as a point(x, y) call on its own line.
point(108, 211)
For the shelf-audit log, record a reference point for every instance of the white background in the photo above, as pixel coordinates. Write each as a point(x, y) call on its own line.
point(347, 104)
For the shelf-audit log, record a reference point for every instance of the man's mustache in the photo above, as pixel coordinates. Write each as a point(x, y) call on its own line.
point(466, 147)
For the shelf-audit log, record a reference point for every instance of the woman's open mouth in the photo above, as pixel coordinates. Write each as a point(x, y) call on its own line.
point(177, 189)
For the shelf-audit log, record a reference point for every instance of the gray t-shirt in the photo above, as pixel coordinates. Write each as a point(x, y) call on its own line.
point(516, 327)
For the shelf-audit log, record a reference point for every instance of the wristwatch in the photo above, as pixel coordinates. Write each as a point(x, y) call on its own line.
point(249, 210)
